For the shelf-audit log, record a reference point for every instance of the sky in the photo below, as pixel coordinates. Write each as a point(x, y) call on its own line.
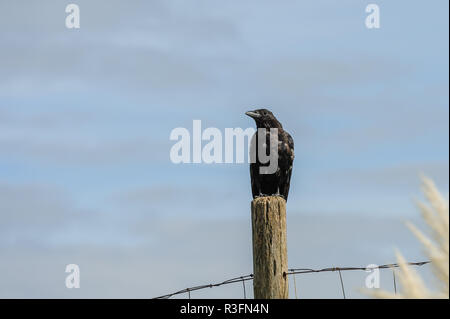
point(86, 114)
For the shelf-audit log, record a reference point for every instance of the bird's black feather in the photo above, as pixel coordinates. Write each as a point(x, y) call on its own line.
point(277, 183)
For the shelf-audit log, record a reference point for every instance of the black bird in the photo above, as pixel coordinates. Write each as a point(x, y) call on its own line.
point(277, 183)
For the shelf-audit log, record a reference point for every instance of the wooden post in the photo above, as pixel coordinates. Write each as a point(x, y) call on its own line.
point(269, 248)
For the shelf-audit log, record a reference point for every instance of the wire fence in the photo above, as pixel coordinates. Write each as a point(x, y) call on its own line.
point(292, 272)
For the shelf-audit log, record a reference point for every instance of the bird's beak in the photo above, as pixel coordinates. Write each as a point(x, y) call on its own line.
point(252, 114)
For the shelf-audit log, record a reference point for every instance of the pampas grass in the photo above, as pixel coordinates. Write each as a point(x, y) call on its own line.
point(436, 215)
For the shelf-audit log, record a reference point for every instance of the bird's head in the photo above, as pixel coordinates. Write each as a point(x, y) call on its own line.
point(264, 118)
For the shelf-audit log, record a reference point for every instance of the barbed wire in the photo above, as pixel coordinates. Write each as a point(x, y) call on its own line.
point(292, 271)
point(308, 270)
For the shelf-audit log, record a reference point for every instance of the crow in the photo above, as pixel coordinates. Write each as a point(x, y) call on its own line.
point(276, 184)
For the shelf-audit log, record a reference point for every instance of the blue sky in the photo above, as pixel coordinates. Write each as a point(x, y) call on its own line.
point(86, 114)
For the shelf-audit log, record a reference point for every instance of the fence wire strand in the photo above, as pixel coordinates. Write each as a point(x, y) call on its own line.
point(295, 287)
point(342, 283)
point(292, 271)
point(243, 285)
point(395, 283)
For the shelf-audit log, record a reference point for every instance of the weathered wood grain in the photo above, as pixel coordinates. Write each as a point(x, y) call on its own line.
point(269, 248)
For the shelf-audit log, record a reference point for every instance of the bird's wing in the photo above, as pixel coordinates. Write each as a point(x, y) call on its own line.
point(285, 181)
point(290, 141)
point(286, 164)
